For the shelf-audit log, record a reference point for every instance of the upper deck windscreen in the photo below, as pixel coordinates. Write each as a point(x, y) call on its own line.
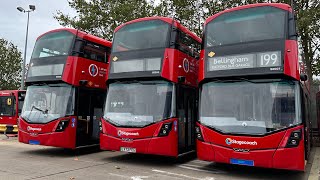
point(53, 44)
point(141, 35)
point(49, 54)
point(246, 25)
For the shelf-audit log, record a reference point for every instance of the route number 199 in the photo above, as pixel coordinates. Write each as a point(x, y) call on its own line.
point(269, 59)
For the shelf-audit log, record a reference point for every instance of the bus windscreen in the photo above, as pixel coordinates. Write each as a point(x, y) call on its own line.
point(53, 44)
point(248, 107)
point(141, 35)
point(248, 25)
point(138, 104)
point(48, 102)
point(6, 105)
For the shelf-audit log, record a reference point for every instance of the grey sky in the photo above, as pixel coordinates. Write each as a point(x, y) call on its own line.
point(13, 23)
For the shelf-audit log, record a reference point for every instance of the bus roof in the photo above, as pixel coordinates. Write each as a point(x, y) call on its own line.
point(81, 34)
point(283, 6)
point(165, 19)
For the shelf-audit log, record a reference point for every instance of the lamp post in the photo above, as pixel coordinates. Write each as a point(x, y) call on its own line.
point(31, 8)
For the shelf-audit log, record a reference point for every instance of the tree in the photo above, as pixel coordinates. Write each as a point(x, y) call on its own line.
point(10, 65)
point(101, 17)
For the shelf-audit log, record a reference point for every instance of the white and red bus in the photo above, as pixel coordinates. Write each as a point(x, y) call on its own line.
point(11, 102)
point(253, 100)
point(152, 88)
point(66, 90)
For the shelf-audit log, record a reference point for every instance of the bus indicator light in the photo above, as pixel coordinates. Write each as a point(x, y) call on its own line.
point(294, 139)
point(199, 134)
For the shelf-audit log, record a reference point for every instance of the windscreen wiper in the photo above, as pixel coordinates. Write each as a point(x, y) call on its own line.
point(41, 110)
point(33, 107)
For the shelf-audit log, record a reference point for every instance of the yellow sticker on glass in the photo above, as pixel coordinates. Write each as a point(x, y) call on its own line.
point(211, 54)
point(9, 101)
point(115, 58)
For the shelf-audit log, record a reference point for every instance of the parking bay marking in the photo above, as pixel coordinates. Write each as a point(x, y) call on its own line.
point(129, 177)
point(181, 175)
point(198, 165)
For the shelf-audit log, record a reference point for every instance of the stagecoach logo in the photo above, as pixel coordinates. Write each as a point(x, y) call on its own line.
point(29, 128)
point(230, 141)
point(93, 70)
point(120, 133)
point(185, 65)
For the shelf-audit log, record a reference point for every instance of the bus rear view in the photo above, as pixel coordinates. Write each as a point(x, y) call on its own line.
point(253, 107)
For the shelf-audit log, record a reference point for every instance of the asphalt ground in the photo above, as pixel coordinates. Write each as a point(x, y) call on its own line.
point(22, 161)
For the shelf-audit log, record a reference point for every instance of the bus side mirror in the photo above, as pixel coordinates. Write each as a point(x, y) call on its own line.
point(303, 77)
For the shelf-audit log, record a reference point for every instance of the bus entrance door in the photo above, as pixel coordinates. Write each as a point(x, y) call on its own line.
point(186, 114)
point(89, 110)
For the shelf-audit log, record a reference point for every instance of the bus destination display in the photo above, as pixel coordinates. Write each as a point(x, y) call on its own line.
point(241, 61)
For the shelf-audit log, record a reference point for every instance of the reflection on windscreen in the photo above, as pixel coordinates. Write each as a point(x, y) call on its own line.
point(48, 102)
point(250, 108)
point(6, 106)
point(246, 25)
point(140, 103)
point(53, 44)
point(141, 35)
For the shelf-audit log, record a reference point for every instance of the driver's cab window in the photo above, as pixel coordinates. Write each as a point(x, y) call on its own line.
point(7, 107)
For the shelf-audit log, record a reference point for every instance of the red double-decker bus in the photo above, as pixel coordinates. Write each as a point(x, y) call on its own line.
point(11, 102)
point(253, 100)
point(152, 88)
point(66, 90)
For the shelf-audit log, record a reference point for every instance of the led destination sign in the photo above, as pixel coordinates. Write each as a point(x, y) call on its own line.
point(241, 61)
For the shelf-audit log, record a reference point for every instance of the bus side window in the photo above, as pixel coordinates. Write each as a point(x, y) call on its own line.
point(95, 52)
point(188, 45)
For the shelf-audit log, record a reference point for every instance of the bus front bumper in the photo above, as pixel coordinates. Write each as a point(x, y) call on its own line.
point(6, 128)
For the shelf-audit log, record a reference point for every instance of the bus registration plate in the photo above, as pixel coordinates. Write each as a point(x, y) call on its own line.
point(34, 142)
point(242, 162)
point(128, 149)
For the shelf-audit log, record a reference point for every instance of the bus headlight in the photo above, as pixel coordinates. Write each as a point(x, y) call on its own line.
point(165, 129)
point(100, 125)
point(198, 133)
point(62, 125)
point(294, 138)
